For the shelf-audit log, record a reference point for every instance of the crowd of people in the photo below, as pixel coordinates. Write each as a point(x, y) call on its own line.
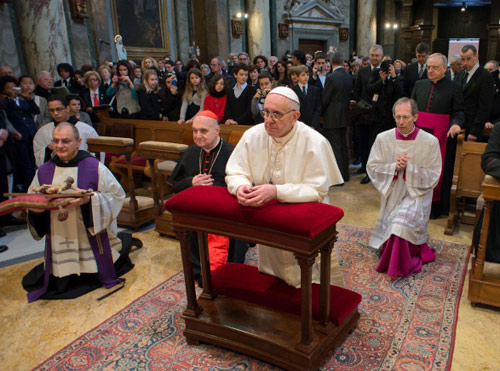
point(348, 101)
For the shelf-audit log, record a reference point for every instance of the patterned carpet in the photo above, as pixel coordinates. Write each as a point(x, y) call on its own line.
point(405, 324)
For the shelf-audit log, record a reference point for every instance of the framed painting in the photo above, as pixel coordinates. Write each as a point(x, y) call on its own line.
point(78, 8)
point(143, 27)
point(344, 34)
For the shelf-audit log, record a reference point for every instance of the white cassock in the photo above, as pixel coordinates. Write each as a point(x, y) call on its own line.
point(71, 250)
point(43, 137)
point(406, 195)
point(301, 165)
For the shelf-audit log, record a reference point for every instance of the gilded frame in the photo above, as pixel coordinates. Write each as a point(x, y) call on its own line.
point(139, 52)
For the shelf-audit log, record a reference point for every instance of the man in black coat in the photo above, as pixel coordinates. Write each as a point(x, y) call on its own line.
point(360, 93)
point(336, 112)
point(416, 71)
point(478, 89)
point(309, 97)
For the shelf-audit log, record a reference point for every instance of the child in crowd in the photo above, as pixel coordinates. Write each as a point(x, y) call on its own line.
point(266, 85)
point(20, 113)
point(149, 99)
point(193, 97)
point(170, 98)
point(253, 74)
point(27, 85)
point(105, 73)
point(137, 76)
point(216, 99)
point(281, 74)
point(126, 95)
point(309, 97)
point(75, 109)
point(293, 76)
point(67, 73)
point(239, 100)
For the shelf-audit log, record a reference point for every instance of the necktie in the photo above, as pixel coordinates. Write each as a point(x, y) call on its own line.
point(464, 80)
point(304, 90)
point(96, 100)
point(421, 72)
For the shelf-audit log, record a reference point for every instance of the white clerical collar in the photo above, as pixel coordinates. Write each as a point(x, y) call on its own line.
point(284, 139)
point(208, 151)
point(406, 135)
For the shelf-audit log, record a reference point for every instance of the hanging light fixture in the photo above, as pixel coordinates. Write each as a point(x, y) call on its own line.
point(464, 7)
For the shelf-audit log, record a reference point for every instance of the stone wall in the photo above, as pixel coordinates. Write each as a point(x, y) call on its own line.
point(8, 51)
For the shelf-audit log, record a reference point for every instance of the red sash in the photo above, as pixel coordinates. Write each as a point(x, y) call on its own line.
point(437, 125)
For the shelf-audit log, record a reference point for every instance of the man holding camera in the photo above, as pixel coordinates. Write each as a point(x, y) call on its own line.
point(266, 85)
point(385, 90)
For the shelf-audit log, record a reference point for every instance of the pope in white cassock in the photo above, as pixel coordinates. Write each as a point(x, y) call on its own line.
point(283, 159)
point(404, 165)
point(80, 252)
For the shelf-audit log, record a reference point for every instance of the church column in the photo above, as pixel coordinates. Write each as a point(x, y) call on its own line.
point(43, 34)
point(259, 28)
point(366, 26)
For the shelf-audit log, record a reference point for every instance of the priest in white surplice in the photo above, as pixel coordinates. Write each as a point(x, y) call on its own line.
point(283, 159)
point(80, 251)
point(404, 165)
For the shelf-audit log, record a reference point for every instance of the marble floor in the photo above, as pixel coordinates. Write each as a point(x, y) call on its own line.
point(30, 333)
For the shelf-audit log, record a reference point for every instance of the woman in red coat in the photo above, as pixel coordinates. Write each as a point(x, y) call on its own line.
point(215, 101)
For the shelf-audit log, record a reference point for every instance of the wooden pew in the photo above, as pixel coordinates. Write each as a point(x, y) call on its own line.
point(484, 288)
point(467, 181)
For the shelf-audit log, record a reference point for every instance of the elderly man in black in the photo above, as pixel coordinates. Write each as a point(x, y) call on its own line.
point(440, 105)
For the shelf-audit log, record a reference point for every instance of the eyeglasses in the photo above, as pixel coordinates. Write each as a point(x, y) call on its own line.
point(58, 109)
point(275, 116)
point(64, 142)
point(404, 118)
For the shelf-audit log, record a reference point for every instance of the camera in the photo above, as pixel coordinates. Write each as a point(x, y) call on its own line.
point(384, 66)
point(18, 89)
point(263, 93)
point(320, 68)
point(120, 78)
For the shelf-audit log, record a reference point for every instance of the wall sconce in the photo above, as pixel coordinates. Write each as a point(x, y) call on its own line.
point(389, 26)
point(240, 15)
point(464, 7)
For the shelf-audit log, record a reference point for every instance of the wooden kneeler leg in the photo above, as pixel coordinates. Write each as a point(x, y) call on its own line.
point(325, 326)
point(481, 251)
point(208, 292)
point(306, 342)
point(134, 206)
point(192, 308)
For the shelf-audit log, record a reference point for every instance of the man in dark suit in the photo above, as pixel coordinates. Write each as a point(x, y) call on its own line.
point(336, 112)
point(416, 71)
point(309, 97)
point(478, 88)
point(360, 93)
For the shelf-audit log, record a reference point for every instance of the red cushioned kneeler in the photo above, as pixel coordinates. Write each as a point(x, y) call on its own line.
point(245, 282)
point(304, 219)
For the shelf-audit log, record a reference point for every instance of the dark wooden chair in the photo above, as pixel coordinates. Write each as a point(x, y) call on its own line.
point(467, 182)
point(483, 287)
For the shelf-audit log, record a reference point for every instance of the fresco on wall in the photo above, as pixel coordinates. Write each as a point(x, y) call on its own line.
point(139, 23)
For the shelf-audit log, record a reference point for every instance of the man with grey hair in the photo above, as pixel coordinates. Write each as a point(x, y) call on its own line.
point(285, 160)
point(216, 67)
point(44, 86)
point(243, 58)
point(360, 93)
point(455, 67)
point(440, 105)
point(404, 166)
point(271, 62)
point(491, 66)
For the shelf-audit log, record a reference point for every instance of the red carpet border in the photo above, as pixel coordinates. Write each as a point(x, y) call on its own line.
point(405, 324)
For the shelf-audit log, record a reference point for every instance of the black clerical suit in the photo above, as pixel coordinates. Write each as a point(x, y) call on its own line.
point(411, 76)
point(42, 92)
point(196, 161)
point(310, 105)
point(478, 100)
point(446, 98)
point(336, 114)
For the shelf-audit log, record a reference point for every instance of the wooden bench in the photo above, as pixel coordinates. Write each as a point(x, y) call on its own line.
point(484, 288)
point(467, 181)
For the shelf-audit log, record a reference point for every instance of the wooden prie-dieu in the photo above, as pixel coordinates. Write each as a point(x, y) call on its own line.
point(230, 312)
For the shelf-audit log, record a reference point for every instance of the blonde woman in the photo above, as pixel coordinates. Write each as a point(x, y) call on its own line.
point(148, 96)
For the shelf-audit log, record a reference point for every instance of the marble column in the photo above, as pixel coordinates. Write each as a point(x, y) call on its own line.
point(8, 51)
point(259, 28)
point(367, 26)
point(43, 34)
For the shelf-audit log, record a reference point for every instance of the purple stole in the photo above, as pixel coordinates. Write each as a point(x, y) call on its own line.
point(437, 125)
point(88, 177)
